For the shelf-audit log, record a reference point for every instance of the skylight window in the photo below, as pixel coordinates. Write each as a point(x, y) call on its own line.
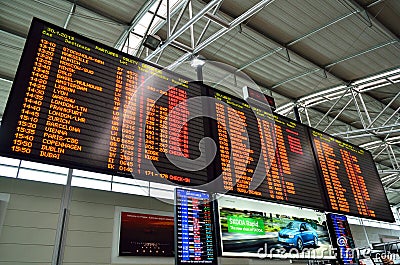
point(135, 37)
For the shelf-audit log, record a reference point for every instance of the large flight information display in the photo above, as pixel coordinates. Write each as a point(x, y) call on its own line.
point(351, 181)
point(265, 155)
point(80, 104)
point(77, 103)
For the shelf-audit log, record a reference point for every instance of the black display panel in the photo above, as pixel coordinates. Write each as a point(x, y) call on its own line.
point(194, 228)
point(146, 235)
point(342, 239)
point(80, 104)
point(350, 179)
point(264, 155)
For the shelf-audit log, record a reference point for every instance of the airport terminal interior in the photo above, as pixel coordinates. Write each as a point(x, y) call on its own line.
point(199, 132)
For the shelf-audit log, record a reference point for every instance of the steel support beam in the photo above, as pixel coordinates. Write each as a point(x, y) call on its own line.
point(191, 29)
point(384, 109)
point(70, 14)
point(394, 157)
point(179, 18)
point(374, 3)
point(207, 24)
point(383, 150)
point(308, 117)
point(287, 45)
point(330, 109)
point(364, 107)
point(330, 23)
point(324, 68)
point(367, 129)
point(145, 8)
point(358, 108)
point(176, 34)
point(237, 21)
point(337, 115)
point(168, 18)
point(82, 5)
point(390, 42)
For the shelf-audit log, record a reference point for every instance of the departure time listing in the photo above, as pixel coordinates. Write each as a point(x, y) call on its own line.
point(86, 106)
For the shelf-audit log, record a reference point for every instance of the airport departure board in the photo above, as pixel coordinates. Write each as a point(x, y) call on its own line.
point(265, 155)
point(79, 104)
point(351, 181)
point(194, 228)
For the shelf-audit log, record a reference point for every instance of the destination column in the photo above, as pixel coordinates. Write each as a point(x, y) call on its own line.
point(64, 115)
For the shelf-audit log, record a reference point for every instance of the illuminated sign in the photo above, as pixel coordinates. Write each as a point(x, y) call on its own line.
point(146, 235)
point(265, 155)
point(342, 238)
point(194, 232)
point(258, 96)
point(257, 229)
point(350, 179)
point(79, 104)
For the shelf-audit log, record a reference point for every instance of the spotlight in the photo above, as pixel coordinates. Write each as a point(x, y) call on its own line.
point(152, 42)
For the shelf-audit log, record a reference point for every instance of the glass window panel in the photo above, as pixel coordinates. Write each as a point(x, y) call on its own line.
point(162, 186)
point(31, 174)
point(123, 188)
point(9, 161)
point(7, 171)
point(44, 167)
point(162, 194)
point(136, 182)
point(93, 175)
point(91, 183)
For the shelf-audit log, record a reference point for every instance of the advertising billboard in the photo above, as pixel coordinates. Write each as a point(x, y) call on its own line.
point(250, 228)
point(146, 235)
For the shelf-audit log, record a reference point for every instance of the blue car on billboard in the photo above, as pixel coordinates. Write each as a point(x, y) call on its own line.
point(298, 234)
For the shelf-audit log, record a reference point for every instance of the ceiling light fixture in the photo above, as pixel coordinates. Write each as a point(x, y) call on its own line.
point(197, 61)
point(152, 42)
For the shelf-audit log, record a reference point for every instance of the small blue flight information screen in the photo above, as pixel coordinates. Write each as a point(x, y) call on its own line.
point(342, 238)
point(194, 233)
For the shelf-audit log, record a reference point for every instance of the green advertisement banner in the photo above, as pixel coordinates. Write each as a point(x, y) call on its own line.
point(237, 224)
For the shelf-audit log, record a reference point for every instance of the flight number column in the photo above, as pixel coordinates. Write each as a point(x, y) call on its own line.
point(126, 160)
point(224, 147)
point(268, 151)
point(115, 139)
point(31, 106)
point(156, 114)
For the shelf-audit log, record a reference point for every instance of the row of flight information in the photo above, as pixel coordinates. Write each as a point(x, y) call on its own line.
point(80, 104)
